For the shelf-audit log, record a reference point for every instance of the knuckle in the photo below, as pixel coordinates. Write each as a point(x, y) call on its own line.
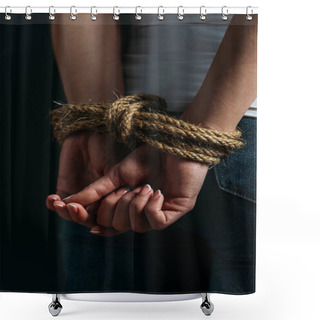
point(74, 217)
point(99, 191)
point(116, 226)
point(139, 229)
point(104, 213)
point(134, 206)
point(127, 200)
point(102, 221)
point(119, 226)
point(107, 204)
point(158, 225)
point(189, 205)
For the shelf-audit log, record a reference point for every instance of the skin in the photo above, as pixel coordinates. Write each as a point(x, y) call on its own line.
point(118, 200)
point(84, 158)
point(141, 209)
point(78, 46)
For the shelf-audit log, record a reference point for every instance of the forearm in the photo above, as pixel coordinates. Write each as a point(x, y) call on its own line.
point(230, 85)
point(88, 55)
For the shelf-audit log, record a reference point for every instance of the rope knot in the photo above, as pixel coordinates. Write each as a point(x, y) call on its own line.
point(120, 116)
point(137, 119)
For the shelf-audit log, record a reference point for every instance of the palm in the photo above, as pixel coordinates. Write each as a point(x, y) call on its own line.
point(84, 158)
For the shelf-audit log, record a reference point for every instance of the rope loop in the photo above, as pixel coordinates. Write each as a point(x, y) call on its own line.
point(140, 118)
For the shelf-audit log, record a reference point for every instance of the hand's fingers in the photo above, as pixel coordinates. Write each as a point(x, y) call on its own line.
point(96, 190)
point(60, 208)
point(93, 207)
point(160, 219)
point(137, 190)
point(104, 232)
point(138, 220)
point(50, 200)
point(108, 206)
point(121, 220)
point(80, 215)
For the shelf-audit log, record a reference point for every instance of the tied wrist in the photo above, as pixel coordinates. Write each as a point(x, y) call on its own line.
point(140, 118)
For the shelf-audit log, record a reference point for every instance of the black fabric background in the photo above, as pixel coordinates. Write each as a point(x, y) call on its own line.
point(29, 81)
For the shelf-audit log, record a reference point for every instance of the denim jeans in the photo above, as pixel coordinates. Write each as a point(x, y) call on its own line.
point(210, 249)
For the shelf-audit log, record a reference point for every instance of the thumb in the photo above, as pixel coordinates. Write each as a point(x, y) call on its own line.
point(96, 190)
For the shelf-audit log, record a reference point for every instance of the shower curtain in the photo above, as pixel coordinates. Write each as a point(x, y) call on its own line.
point(90, 213)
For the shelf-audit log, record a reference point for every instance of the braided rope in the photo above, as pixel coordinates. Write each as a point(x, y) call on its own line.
point(140, 119)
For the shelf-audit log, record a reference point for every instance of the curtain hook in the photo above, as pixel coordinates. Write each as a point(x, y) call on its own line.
point(6, 14)
point(138, 16)
point(160, 15)
point(116, 14)
point(180, 13)
point(203, 13)
point(73, 13)
point(224, 13)
point(52, 11)
point(28, 13)
point(93, 16)
point(248, 15)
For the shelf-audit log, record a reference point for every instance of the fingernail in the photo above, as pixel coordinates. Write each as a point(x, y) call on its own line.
point(123, 191)
point(58, 205)
point(95, 231)
point(145, 190)
point(53, 198)
point(156, 195)
point(66, 198)
point(73, 206)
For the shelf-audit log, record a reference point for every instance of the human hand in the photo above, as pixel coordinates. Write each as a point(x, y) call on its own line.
point(84, 158)
point(142, 209)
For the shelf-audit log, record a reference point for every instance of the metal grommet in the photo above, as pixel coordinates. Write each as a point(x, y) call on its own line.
point(138, 15)
point(203, 13)
point(93, 16)
point(248, 15)
point(28, 13)
point(52, 11)
point(73, 13)
point(7, 10)
point(160, 14)
point(116, 14)
point(180, 13)
point(224, 13)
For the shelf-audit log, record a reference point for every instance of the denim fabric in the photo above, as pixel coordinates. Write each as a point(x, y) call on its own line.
point(237, 173)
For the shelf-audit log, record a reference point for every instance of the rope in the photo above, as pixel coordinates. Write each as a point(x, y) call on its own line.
point(140, 118)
